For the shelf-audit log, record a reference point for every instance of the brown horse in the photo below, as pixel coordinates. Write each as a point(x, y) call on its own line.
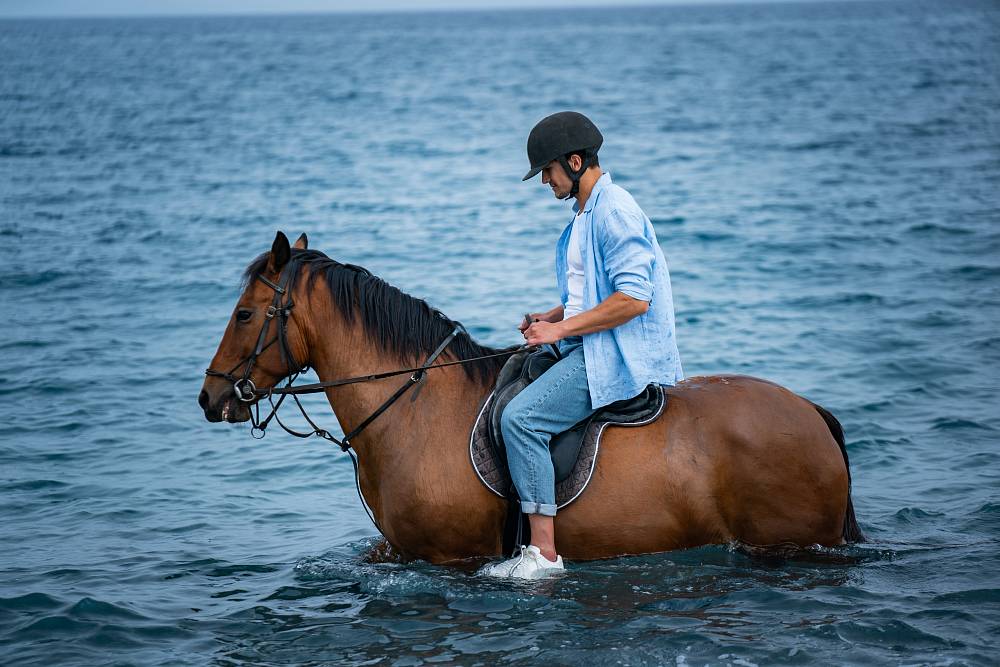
point(732, 458)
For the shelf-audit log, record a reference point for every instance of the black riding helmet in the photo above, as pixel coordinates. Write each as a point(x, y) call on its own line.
point(558, 135)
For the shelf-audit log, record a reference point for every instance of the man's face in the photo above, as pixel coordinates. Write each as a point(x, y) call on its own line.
point(555, 177)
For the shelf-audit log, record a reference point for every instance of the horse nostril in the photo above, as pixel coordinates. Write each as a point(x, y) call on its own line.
point(203, 399)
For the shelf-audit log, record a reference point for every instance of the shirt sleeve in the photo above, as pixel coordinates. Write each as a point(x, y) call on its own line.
point(628, 254)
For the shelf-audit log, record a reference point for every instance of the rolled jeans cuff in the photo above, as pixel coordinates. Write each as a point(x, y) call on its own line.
point(538, 508)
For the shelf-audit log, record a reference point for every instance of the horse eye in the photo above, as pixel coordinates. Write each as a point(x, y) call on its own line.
point(243, 315)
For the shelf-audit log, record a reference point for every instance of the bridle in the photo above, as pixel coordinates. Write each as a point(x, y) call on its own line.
point(244, 386)
point(281, 308)
point(247, 392)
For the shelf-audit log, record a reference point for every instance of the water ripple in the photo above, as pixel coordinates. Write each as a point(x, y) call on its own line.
point(828, 207)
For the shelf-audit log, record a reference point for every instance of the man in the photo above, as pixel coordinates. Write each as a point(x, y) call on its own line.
point(614, 327)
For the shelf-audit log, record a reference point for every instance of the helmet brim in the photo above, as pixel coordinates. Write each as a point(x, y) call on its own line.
point(532, 173)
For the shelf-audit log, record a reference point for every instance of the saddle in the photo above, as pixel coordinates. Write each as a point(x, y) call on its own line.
point(573, 452)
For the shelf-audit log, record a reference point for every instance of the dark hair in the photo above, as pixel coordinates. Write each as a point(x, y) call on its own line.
point(404, 326)
point(594, 162)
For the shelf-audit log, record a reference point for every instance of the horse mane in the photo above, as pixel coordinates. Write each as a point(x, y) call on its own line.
point(401, 325)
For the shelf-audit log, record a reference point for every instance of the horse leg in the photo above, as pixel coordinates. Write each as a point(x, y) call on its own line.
point(783, 478)
point(383, 552)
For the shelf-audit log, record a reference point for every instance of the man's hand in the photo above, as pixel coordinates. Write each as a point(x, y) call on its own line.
point(540, 333)
point(554, 315)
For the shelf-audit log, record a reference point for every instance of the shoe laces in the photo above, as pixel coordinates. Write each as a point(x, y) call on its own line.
point(520, 559)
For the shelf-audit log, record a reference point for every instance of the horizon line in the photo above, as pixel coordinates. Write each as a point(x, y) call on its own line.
point(281, 12)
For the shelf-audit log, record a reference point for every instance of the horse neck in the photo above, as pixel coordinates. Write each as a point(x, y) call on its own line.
point(421, 441)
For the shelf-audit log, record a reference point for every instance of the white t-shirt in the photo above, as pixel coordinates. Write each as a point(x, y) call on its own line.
point(574, 272)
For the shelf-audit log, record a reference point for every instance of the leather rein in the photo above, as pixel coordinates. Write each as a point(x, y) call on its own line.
point(281, 308)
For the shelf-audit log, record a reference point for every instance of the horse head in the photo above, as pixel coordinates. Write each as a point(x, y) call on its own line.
point(262, 343)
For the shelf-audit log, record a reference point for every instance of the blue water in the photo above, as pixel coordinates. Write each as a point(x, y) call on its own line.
point(824, 181)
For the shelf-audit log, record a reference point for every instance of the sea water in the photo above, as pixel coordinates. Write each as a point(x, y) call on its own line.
point(823, 179)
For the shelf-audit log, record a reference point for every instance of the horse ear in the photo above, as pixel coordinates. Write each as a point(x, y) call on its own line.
point(280, 253)
point(302, 243)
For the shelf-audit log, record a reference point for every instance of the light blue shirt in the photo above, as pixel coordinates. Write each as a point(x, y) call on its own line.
point(620, 254)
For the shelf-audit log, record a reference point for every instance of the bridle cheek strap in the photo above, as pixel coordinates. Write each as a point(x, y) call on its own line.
point(244, 386)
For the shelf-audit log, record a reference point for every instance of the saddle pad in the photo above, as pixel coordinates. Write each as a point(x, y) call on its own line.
point(494, 474)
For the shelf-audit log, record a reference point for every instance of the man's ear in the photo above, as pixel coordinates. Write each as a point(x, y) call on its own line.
point(302, 243)
point(280, 253)
point(575, 161)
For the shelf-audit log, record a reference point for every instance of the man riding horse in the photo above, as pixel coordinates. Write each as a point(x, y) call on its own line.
point(614, 327)
point(733, 459)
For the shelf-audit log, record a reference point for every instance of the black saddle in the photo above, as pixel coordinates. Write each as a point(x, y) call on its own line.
point(524, 368)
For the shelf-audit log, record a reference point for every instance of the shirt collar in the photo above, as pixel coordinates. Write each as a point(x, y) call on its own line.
point(601, 183)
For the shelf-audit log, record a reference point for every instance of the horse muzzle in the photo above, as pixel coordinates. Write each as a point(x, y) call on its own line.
point(225, 406)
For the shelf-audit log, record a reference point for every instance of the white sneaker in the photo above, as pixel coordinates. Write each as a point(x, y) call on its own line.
point(530, 564)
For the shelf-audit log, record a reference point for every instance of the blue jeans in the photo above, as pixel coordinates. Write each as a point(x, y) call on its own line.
point(548, 406)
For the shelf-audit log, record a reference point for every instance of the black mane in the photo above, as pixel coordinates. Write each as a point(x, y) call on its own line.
point(398, 323)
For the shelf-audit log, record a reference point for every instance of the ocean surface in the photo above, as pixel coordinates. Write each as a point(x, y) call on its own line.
point(824, 180)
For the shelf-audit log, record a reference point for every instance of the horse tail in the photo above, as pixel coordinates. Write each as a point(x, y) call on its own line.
point(852, 531)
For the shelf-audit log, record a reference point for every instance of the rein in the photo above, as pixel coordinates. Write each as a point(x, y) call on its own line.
point(247, 392)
